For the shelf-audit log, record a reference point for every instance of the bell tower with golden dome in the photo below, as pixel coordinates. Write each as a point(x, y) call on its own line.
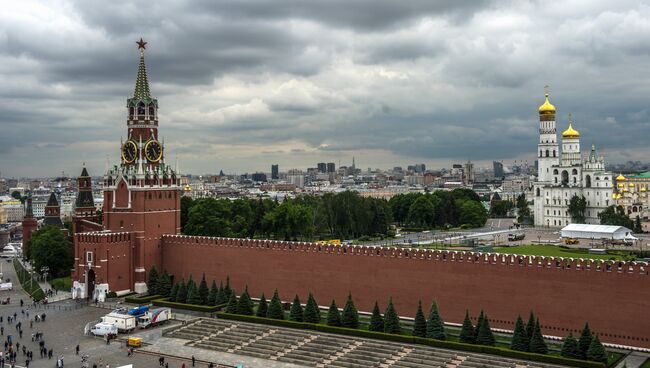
point(571, 146)
point(548, 151)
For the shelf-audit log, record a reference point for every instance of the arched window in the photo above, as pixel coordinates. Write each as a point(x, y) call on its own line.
point(540, 153)
point(588, 181)
point(574, 180)
point(555, 172)
point(141, 108)
point(152, 112)
point(574, 172)
point(553, 153)
point(556, 180)
point(565, 177)
point(131, 111)
point(546, 153)
point(537, 192)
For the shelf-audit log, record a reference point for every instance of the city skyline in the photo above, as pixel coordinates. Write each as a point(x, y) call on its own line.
point(244, 86)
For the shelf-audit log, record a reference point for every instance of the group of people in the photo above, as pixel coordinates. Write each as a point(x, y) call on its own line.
point(9, 355)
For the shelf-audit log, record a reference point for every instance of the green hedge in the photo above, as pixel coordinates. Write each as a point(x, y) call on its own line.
point(415, 340)
point(141, 299)
point(194, 307)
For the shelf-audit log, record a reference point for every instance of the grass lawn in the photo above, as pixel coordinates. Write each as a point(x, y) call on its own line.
point(62, 283)
point(553, 251)
point(31, 287)
point(646, 364)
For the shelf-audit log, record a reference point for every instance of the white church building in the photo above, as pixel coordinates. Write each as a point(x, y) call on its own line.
point(564, 173)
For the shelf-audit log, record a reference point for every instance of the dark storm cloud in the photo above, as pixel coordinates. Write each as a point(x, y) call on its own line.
point(245, 82)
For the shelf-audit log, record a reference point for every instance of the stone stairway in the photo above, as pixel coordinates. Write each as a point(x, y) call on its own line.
point(338, 355)
point(396, 357)
point(293, 348)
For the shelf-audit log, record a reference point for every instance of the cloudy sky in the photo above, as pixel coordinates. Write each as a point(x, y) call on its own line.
point(244, 84)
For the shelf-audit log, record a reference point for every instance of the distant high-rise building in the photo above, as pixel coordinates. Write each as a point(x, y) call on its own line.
point(498, 169)
point(322, 167)
point(331, 167)
point(275, 172)
point(259, 177)
point(469, 172)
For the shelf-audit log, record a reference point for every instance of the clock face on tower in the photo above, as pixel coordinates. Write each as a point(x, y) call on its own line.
point(129, 151)
point(153, 151)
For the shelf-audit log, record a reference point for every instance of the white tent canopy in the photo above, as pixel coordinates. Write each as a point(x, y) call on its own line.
point(587, 231)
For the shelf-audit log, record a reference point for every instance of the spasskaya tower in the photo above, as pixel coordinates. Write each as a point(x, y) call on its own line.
point(141, 203)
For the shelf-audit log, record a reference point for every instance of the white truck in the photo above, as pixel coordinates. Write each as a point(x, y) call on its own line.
point(154, 317)
point(103, 329)
point(123, 322)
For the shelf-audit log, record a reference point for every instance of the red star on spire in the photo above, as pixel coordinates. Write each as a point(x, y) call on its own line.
point(141, 43)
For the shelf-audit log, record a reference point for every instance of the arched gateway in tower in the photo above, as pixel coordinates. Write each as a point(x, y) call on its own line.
point(141, 203)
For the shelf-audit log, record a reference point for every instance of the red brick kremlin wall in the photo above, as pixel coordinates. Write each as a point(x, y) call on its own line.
point(613, 297)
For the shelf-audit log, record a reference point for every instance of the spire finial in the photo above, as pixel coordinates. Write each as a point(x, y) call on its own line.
point(142, 84)
point(570, 119)
point(546, 91)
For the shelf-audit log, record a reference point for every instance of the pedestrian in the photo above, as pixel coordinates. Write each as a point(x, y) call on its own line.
point(193, 361)
point(183, 366)
point(76, 349)
point(166, 365)
point(27, 363)
point(21, 303)
point(31, 324)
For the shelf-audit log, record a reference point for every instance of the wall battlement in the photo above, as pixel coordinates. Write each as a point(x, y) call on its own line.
point(103, 237)
point(540, 262)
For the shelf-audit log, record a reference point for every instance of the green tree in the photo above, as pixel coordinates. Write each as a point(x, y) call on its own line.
point(152, 281)
point(500, 208)
point(638, 228)
point(376, 321)
point(520, 339)
point(391, 319)
point(421, 213)
point(232, 303)
point(350, 317)
point(435, 324)
point(530, 326)
point(245, 304)
point(479, 323)
point(570, 348)
point(227, 290)
point(275, 307)
point(537, 343)
point(212, 295)
point(164, 284)
point(262, 307)
point(471, 213)
point(467, 331)
point(420, 324)
point(485, 335)
point(585, 340)
point(312, 313)
point(296, 312)
point(16, 195)
point(333, 315)
point(174, 292)
point(48, 247)
point(193, 296)
point(181, 295)
point(221, 295)
point(203, 290)
point(596, 351)
point(186, 204)
point(577, 209)
point(523, 211)
point(615, 215)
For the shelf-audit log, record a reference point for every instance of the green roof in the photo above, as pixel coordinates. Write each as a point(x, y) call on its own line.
point(643, 175)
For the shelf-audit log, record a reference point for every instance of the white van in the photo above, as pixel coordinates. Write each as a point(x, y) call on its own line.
point(103, 329)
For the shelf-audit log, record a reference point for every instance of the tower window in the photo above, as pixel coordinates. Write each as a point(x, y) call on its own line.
point(151, 112)
point(547, 153)
point(141, 108)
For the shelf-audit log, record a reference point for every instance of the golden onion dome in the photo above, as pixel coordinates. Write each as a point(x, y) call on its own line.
point(546, 108)
point(187, 188)
point(570, 132)
point(643, 189)
point(620, 177)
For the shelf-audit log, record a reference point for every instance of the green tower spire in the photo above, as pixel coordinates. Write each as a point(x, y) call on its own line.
point(142, 92)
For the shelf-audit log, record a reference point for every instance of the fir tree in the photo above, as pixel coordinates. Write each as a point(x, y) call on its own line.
point(479, 322)
point(420, 324)
point(467, 331)
point(312, 313)
point(596, 351)
point(227, 289)
point(333, 315)
point(296, 312)
point(193, 296)
point(570, 348)
point(262, 307)
point(221, 295)
point(520, 340)
point(174, 292)
point(585, 340)
point(376, 321)
point(435, 325)
point(537, 343)
point(181, 295)
point(391, 319)
point(152, 282)
point(245, 304)
point(203, 290)
point(530, 326)
point(164, 285)
point(212, 295)
point(350, 317)
point(485, 335)
point(275, 307)
point(232, 303)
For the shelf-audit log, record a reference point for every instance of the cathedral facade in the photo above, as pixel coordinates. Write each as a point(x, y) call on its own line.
point(563, 173)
